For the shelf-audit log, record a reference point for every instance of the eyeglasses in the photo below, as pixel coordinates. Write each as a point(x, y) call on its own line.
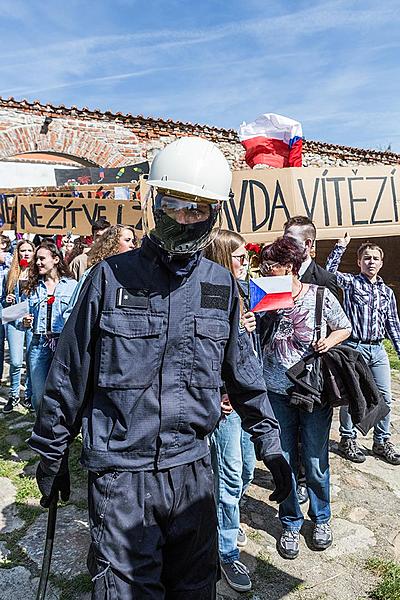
point(242, 258)
point(268, 267)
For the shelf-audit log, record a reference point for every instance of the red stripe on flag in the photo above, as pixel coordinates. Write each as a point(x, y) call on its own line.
point(274, 301)
point(295, 154)
point(266, 151)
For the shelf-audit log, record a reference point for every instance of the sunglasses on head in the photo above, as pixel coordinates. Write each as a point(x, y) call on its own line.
point(267, 267)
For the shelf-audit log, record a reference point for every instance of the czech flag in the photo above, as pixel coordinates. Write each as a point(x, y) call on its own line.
point(272, 140)
point(271, 293)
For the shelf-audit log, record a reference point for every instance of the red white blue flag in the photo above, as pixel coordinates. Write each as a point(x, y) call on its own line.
point(272, 140)
point(271, 293)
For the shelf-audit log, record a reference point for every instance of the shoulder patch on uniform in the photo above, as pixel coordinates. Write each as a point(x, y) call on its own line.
point(215, 296)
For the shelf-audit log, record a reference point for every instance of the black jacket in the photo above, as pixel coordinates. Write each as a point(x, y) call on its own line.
point(320, 276)
point(140, 363)
point(342, 377)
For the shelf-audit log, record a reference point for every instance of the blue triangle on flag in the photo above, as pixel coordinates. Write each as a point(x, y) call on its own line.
point(256, 294)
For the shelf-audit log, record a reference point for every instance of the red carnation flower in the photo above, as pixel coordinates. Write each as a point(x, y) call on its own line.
point(50, 299)
point(256, 248)
point(23, 263)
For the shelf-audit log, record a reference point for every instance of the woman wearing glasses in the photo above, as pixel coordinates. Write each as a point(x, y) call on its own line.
point(232, 450)
point(294, 337)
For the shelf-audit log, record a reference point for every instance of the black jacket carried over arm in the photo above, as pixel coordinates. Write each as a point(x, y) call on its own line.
point(341, 377)
point(140, 363)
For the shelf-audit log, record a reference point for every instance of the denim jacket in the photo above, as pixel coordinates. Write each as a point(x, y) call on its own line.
point(38, 305)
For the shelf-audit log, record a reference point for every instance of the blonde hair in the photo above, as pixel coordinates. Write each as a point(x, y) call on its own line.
point(15, 270)
point(222, 247)
point(107, 244)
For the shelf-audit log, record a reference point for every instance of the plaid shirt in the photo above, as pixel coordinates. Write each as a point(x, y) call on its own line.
point(371, 307)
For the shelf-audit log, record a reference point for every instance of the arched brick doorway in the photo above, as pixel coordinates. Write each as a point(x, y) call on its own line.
point(61, 140)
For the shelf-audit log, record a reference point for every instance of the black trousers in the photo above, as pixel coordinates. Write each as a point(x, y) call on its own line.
point(154, 534)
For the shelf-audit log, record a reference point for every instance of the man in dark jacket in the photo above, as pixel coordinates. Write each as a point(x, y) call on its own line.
point(139, 368)
point(303, 230)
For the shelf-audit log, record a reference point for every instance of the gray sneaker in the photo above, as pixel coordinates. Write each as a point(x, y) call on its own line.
point(348, 448)
point(387, 451)
point(322, 536)
point(237, 575)
point(241, 538)
point(289, 543)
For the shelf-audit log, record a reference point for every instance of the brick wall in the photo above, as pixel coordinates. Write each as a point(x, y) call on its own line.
point(113, 139)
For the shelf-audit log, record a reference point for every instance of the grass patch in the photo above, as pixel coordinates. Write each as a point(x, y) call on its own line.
point(71, 588)
point(255, 536)
point(394, 360)
point(388, 587)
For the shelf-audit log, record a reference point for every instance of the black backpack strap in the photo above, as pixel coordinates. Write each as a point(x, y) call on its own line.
point(318, 311)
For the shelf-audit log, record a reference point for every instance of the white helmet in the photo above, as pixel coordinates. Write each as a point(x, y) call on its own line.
point(192, 166)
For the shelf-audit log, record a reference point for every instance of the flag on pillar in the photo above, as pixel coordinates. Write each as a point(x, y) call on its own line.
point(272, 140)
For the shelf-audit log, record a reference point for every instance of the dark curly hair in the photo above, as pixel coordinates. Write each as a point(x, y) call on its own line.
point(284, 251)
point(62, 267)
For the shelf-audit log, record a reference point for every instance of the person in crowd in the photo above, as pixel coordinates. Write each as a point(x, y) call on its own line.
point(81, 245)
point(14, 287)
point(5, 261)
point(303, 231)
point(371, 308)
point(79, 264)
point(49, 289)
point(293, 339)
point(115, 240)
point(158, 332)
point(232, 451)
point(66, 246)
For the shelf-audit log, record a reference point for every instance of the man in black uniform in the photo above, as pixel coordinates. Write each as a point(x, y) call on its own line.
point(138, 369)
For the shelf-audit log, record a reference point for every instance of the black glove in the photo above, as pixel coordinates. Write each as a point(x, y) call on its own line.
point(282, 476)
point(53, 485)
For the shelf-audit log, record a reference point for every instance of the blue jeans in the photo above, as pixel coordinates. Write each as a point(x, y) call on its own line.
point(16, 339)
point(40, 355)
point(376, 358)
point(313, 429)
point(2, 339)
point(233, 459)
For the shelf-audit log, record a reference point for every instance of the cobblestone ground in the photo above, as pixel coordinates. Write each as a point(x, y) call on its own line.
point(365, 522)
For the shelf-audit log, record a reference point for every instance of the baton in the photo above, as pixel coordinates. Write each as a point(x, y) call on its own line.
point(48, 549)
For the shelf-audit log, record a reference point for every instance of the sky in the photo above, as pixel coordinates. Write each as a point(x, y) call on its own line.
point(333, 66)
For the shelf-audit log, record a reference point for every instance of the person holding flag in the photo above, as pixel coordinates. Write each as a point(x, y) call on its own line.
point(293, 338)
point(139, 367)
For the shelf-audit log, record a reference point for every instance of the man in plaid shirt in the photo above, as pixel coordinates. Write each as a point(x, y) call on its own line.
point(371, 308)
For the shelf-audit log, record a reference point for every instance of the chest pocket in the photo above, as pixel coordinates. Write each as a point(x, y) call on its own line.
point(130, 352)
point(361, 298)
point(210, 340)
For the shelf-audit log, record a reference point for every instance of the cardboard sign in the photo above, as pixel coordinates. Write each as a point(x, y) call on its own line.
point(364, 201)
point(36, 214)
point(7, 211)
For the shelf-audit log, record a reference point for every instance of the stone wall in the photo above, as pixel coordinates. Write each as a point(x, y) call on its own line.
point(114, 139)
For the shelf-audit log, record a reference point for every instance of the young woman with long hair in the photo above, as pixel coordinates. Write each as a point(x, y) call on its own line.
point(14, 287)
point(48, 290)
point(232, 450)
